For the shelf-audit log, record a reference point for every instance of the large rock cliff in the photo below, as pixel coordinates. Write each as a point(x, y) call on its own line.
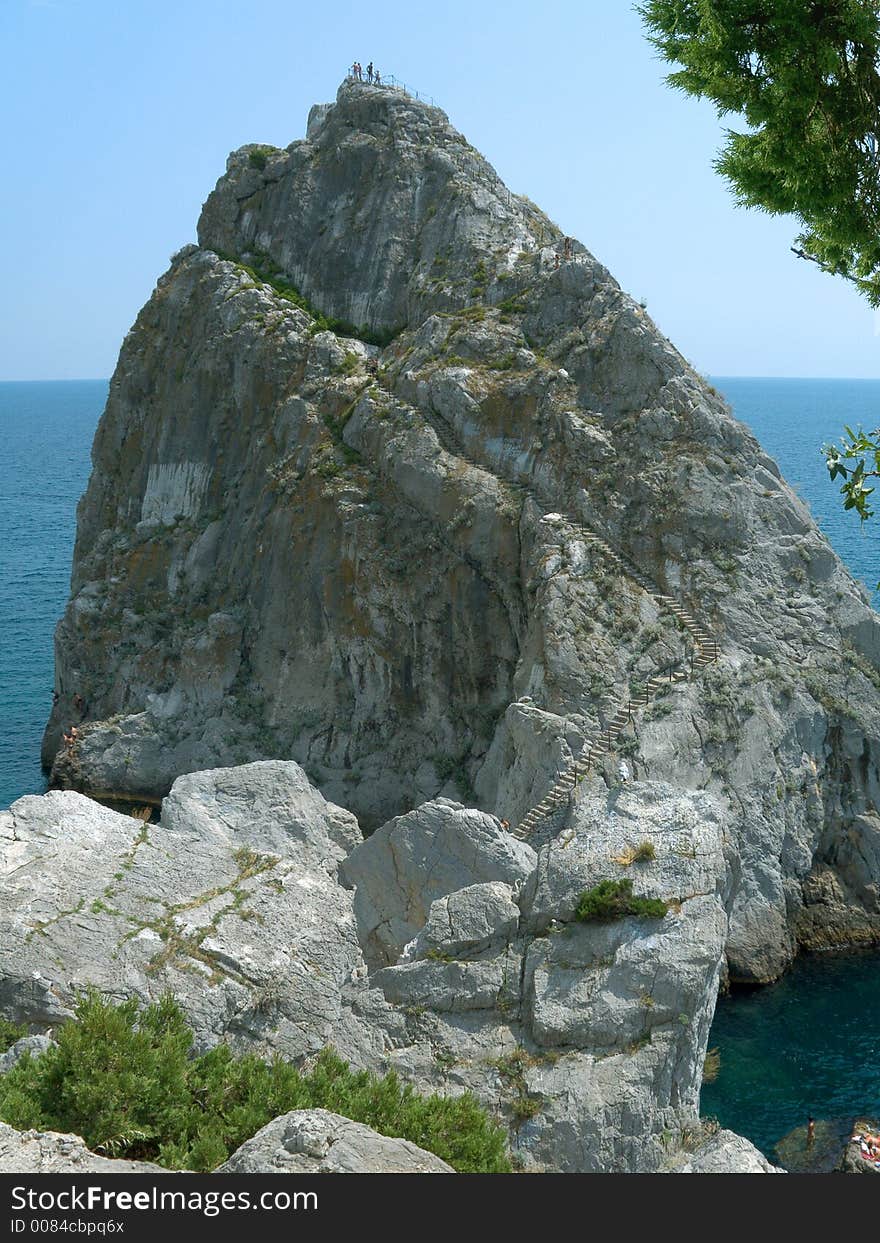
point(397, 482)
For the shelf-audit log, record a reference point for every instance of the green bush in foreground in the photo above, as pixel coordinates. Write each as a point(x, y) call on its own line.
point(9, 1033)
point(613, 899)
point(127, 1083)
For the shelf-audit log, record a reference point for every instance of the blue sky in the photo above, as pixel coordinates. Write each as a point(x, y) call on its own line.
point(119, 115)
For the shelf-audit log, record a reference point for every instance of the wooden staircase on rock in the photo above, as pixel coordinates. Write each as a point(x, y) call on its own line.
point(705, 653)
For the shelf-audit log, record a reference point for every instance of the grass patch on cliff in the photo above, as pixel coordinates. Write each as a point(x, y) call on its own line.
point(645, 852)
point(711, 1065)
point(127, 1082)
point(613, 899)
point(258, 157)
point(265, 271)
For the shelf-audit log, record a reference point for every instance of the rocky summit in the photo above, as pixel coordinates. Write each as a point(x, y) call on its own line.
point(398, 489)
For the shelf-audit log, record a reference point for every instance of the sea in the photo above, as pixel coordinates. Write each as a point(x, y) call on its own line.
point(46, 433)
point(806, 1045)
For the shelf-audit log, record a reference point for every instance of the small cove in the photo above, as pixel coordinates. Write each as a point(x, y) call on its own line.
point(809, 1044)
point(805, 1045)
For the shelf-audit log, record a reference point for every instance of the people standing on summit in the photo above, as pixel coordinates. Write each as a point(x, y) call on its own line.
point(372, 75)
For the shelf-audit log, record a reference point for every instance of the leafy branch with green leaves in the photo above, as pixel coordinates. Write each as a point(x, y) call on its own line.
point(855, 460)
point(804, 79)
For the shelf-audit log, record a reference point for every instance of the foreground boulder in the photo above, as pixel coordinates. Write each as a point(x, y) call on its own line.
point(727, 1153)
point(231, 904)
point(33, 1046)
point(433, 851)
point(49, 1152)
point(309, 1141)
point(589, 1037)
point(315, 1141)
point(585, 1039)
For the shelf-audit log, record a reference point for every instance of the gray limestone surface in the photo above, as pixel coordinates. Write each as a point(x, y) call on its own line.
point(48, 1152)
point(368, 453)
point(315, 1141)
point(727, 1153)
point(586, 1041)
point(318, 527)
point(33, 1046)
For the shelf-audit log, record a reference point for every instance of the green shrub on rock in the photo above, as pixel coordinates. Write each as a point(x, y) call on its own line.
point(613, 899)
point(127, 1082)
point(258, 157)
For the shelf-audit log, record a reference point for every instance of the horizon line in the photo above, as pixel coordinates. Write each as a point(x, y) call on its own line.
point(712, 375)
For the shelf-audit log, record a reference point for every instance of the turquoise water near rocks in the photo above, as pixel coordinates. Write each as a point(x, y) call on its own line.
point(806, 1045)
point(793, 419)
point(809, 1044)
point(46, 431)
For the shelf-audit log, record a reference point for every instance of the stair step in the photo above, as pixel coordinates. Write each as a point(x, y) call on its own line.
point(705, 653)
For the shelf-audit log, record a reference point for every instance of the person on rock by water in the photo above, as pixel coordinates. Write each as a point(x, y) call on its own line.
point(811, 1132)
point(370, 72)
